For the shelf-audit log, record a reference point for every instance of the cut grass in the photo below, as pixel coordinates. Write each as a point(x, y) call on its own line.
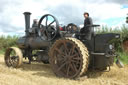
point(42, 74)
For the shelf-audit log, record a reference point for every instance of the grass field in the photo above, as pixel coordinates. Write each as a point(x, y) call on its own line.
point(41, 74)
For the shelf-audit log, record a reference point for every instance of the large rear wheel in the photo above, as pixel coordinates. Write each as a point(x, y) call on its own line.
point(69, 58)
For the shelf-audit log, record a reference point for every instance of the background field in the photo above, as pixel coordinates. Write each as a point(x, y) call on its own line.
point(41, 74)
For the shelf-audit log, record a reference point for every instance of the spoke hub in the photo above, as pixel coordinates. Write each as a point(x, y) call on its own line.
point(68, 58)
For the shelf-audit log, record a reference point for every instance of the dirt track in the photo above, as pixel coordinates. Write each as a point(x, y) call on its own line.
point(41, 74)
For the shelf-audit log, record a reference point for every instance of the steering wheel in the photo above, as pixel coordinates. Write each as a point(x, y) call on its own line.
point(72, 28)
point(48, 27)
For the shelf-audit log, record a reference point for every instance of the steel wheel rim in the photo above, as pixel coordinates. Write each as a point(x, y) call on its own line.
point(71, 63)
point(13, 57)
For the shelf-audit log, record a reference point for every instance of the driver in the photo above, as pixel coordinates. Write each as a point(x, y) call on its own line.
point(33, 30)
point(35, 23)
point(87, 29)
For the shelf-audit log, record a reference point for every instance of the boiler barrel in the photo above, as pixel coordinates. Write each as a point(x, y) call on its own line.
point(33, 43)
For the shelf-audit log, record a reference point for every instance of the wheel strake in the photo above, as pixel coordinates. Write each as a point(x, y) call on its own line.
point(58, 55)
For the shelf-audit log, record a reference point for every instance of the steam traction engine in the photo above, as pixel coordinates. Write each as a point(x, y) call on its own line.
point(68, 55)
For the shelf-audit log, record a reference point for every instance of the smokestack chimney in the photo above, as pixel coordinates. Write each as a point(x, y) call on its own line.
point(27, 22)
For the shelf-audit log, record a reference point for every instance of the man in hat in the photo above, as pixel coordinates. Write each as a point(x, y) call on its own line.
point(87, 29)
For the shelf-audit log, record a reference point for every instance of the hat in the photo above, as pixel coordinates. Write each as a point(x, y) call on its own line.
point(86, 13)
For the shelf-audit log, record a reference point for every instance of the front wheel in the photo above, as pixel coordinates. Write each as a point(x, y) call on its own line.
point(13, 57)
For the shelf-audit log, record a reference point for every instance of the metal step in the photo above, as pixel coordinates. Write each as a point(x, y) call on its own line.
point(97, 53)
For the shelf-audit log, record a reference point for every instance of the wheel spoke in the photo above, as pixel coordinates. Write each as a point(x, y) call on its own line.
point(71, 66)
point(46, 21)
point(10, 61)
point(49, 36)
point(66, 49)
point(61, 66)
point(60, 59)
point(77, 58)
point(53, 30)
point(68, 68)
point(46, 34)
point(74, 55)
point(60, 52)
point(13, 61)
point(51, 23)
point(72, 50)
point(74, 66)
point(75, 61)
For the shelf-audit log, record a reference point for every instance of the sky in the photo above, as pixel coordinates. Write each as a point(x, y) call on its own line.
point(104, 12)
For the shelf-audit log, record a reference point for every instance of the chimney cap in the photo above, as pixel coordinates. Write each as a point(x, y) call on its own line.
point(27, 13)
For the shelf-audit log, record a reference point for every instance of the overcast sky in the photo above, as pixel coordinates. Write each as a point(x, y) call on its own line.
point(103, 12)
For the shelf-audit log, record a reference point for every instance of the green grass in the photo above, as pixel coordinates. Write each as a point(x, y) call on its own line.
point(1, 52)
point(124, 57)
point(6, 42)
